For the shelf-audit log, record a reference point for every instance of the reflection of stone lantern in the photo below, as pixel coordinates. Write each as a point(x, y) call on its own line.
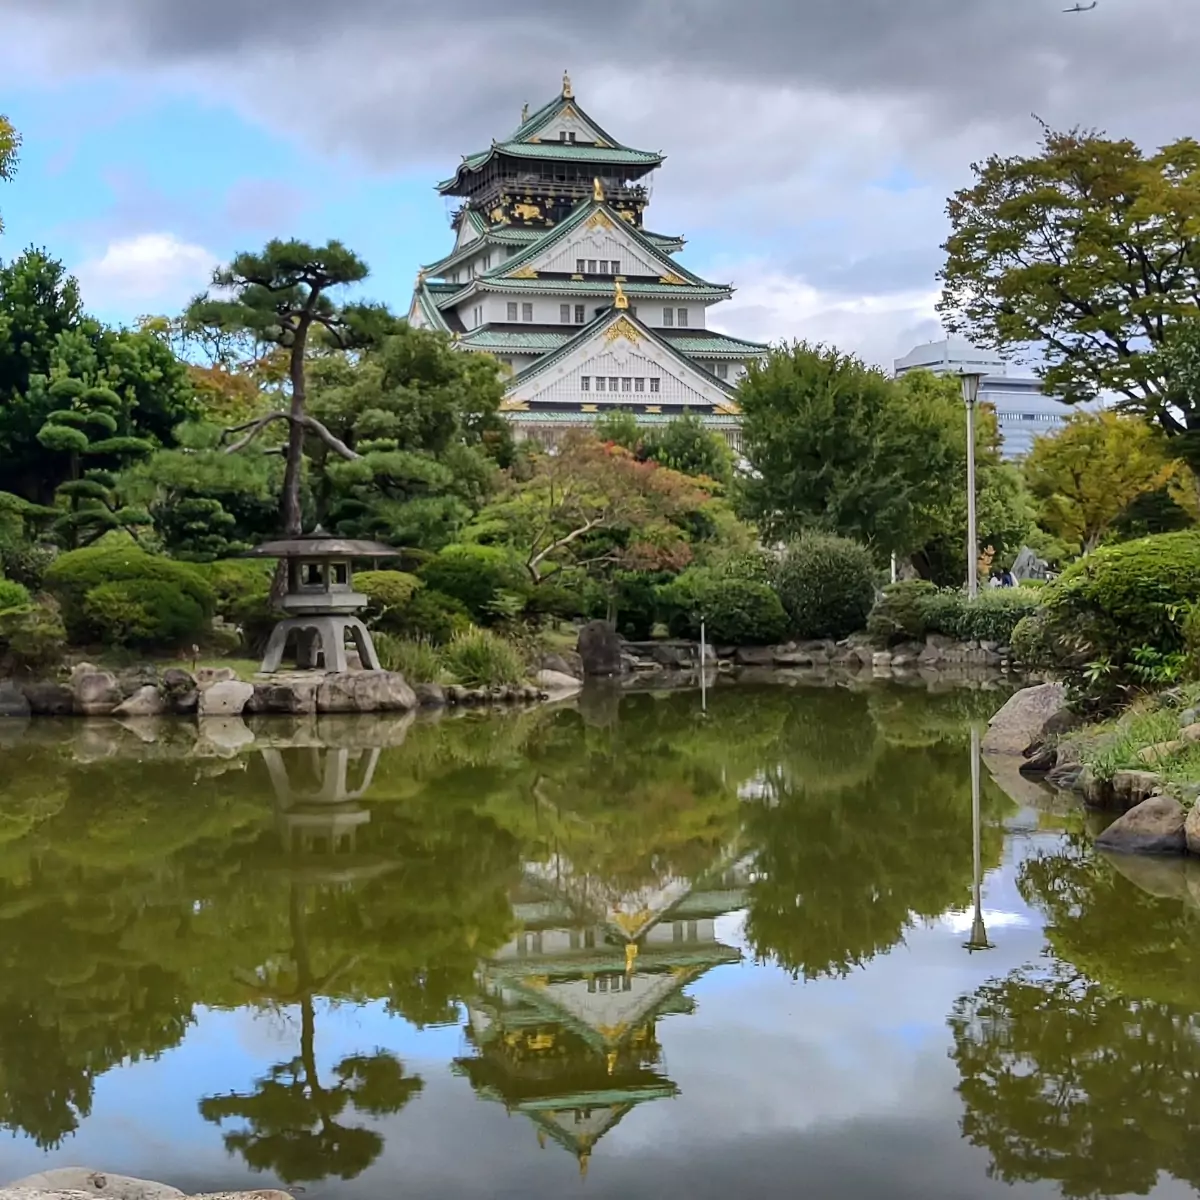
point(321, 602)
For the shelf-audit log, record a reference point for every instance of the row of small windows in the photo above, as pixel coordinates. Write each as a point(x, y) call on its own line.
point(672, 316)
point(526, 311)
point(592, 266)
point(576, 314)
point(1012, 416)
point(613, 383)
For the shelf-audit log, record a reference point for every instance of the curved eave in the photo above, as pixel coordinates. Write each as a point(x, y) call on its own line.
point(598, 156)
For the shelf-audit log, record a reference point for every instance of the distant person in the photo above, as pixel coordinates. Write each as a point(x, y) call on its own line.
point(994, 581)
point(1008, 580)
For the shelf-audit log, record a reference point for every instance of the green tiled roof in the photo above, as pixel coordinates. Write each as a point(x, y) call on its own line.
point(600, 287)
point(536, 122)
point(713, 343)
point(531, 415)
point(514, 341)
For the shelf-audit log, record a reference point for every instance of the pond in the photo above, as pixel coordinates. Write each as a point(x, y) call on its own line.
point(641, 945)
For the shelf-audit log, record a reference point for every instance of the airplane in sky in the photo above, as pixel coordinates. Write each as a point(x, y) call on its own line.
point(1082, 7)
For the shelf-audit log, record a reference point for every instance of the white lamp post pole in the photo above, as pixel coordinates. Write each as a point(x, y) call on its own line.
point(970, 387)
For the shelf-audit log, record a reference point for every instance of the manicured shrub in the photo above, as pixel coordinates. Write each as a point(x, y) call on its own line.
point(433, 616)
point(24, 561)
point(481, 658)
point(1030, 645)
point(1116, 602)
point(234, 581)
point(476, 576)
point(744, 612)
point(419, 661)
point(33, 638)
point(150, 614)
point(185, 593)
point(826, 584)
point(14, 597)
point(991, 617)
point(390, 593)
point(897, 615)
point(636, 603)
point(681, 601)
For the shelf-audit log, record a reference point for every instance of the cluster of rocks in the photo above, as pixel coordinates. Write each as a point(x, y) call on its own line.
point(218, 692)
point(80, 1183)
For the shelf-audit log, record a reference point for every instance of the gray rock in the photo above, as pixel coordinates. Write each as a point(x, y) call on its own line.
point(1155, 826)
point(49, 699)
point(1191, 829)
point(562, 663)
point(754, 656)
point(97, 1183)
point(225, 698)
point(1023, 719)
point(133, 679)
point(557, 685)
point(207, 676)
point(430, 695)
point(1166, 878)
point(601, 650)
point(179, 691)
point(1131, 788)
point(284, 697)
point(798, 658)
point(1189, 716)
point(12, 700)
point(881, 660)
point(222, 737)
point(96, 692)
point(145, 702)
point(365, 692)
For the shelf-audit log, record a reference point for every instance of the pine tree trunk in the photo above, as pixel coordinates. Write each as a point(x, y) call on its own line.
point(290, 515)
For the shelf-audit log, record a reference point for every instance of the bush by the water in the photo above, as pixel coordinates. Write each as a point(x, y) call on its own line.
point(389, 593)
point(32, 636)
point(1030, 645)
point(433, 616)
point(477, 576)
point(990, 617)
point(147, 600)
point(826, 584)
point(419, 661)
point(1107, 609)
point(481, 658)
point(737, 612)
point(898, 615)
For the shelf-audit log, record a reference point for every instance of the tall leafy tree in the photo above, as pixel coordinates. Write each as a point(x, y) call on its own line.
point(1089, 251)
point(284, 295)
point(1086, 477)
point(10, 143)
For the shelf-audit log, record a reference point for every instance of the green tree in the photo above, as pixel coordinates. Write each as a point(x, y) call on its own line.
point(10, 143)
point(1087, 250)
point(686, 446)
point(1085, 477)
point(283, 296)
point(836, 446)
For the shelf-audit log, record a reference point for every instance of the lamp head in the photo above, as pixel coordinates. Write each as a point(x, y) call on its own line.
point(970, 381)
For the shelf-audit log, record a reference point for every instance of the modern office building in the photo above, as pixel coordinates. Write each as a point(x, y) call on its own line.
point(1023, 411)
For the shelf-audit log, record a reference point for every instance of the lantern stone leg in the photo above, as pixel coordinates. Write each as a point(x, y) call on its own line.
point(329, 633)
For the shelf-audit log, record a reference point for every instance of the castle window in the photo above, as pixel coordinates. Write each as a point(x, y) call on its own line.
point(633, 310)
point(579, 314)
point(585, 383)
point(599, 383)
point(564, 313)
point(682, 319)
point(580, 265)
point(722, 370)
point(639, 385)
point(526, 312)
point(604, 266)
point(613, 383)
point(627, 384)
point(487, 262)
point(654, 384)
point(512, 310)
point(591, 266)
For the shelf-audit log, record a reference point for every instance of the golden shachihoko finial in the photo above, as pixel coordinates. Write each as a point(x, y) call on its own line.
point(567, 92)
point(597, 191)
point(620, 300)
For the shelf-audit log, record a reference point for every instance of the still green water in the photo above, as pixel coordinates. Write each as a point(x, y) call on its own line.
point(625, 948)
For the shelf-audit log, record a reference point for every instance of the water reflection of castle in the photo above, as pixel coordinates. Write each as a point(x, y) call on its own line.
point(564, 1026)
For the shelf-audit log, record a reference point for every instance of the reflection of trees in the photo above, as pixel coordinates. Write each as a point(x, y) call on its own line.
point(844, 870)
point(291, 1118)
point(1064, 1081)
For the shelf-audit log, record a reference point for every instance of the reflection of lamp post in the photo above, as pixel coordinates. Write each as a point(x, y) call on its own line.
point(978, 939)
point(970, 389)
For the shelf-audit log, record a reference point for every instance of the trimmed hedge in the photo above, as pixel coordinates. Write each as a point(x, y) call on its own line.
point(826, 584)
point(235, 581)
point(991, 617)
point(476, 576)
point(898, 615)
point(738, 612)
point(433, 617)
point(390, 593)
point(183, 594)
point(14, 597)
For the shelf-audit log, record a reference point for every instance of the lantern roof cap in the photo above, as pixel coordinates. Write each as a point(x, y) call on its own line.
point(320, 544)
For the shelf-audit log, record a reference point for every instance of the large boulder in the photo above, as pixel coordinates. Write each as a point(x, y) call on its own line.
point(1191, 829)
point(79, 1183)
point(12, 700)
point(207, 676)
point(225, 699)
point(1156, 826)
point(565, 664)
point(285, 697)
point(557, 685)
point(754, 656)
point(96, 692)
point(1025, 718)
point(600, 650)
point(179, 691)
point(430, 695)
point(145, 702)
point(365, 692)
point(133, 679)
point(49, 699)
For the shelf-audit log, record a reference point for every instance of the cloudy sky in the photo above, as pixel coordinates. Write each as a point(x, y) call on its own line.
point(811, 143)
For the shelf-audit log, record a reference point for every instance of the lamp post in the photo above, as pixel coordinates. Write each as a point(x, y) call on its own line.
point(970, 389)
point(978, 939)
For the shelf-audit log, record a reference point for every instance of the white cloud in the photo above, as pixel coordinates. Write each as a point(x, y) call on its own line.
point(145, 273)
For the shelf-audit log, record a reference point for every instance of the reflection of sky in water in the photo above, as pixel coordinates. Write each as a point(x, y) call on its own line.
point(834, 1087)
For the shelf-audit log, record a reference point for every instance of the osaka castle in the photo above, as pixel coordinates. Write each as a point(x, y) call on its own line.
point(554, 272)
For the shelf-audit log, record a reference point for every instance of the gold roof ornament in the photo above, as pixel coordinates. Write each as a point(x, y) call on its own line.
point(631, 953)
point(620, 300)
point(524, 112)
point(584, 1157)
point(597, 190)
point(568, 94)
point(422, 275)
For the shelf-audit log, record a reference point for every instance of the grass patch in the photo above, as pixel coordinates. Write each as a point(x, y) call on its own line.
point(417, 659)
point(480, 658)
point(1113, 746)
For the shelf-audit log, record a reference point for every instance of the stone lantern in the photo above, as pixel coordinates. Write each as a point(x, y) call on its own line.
point(320, 602)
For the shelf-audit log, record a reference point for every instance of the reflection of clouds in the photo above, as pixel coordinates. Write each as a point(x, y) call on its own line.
point(961, 921)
